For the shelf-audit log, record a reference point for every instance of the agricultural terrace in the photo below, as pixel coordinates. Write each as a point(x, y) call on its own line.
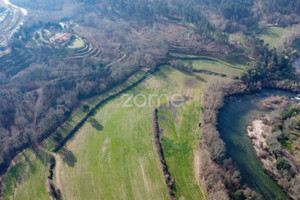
point(77, 43)
point(60, 36)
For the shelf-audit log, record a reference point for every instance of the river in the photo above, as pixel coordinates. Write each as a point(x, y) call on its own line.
point(234, 118)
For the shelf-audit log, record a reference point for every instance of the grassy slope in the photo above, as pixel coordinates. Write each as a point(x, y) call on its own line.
point(99, 159)
point(195, 57)
point(215, 66)
point(181, 134)
point(27, 179)
point(211, 64)
point(78, 43)
point(180, 129)
point(273, 35)
point(19, 186)
point(116, 163)
point(120, 162)
point(78, 113)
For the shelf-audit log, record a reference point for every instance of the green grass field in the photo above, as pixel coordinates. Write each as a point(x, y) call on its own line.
point(120, 162)
point(181, 134)
point(197, 57)
point(273, 35)
point(77, 44)
point(215, 66)
point(27, 179)
point(210, 64)
point(180, 55)
point(78, 113)
point(113, 157)
point(116, 163)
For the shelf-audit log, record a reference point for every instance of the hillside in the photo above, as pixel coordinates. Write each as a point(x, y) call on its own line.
point(65, 64)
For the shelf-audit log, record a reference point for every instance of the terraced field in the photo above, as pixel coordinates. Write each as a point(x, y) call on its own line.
point(69, 46)
point(13, 63)
point(78, 43)
point(81, 48)
point(11, 19)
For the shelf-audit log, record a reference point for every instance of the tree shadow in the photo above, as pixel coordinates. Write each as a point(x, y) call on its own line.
point(270, 33)
point(68, 157)
point(31, 165)
point(40, 155)
point(199, 78)
point(95, 124)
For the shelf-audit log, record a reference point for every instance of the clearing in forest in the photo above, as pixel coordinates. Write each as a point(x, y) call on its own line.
point(273, 35)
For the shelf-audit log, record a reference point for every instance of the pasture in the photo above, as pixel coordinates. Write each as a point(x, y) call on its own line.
point(181, 134)
point(112, 155)
point(119, 161)
point(27, 179)
point(216, 66)
point(273, 35)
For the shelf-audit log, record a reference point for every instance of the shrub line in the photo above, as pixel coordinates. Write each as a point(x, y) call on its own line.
point(159, 150)
point(53, 190)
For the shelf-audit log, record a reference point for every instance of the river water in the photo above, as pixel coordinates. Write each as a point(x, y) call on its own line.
point(234, 118)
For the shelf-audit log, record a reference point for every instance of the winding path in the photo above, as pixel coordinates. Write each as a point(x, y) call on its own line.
point(12, 23)
point(116, 61)
point(24, 11)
